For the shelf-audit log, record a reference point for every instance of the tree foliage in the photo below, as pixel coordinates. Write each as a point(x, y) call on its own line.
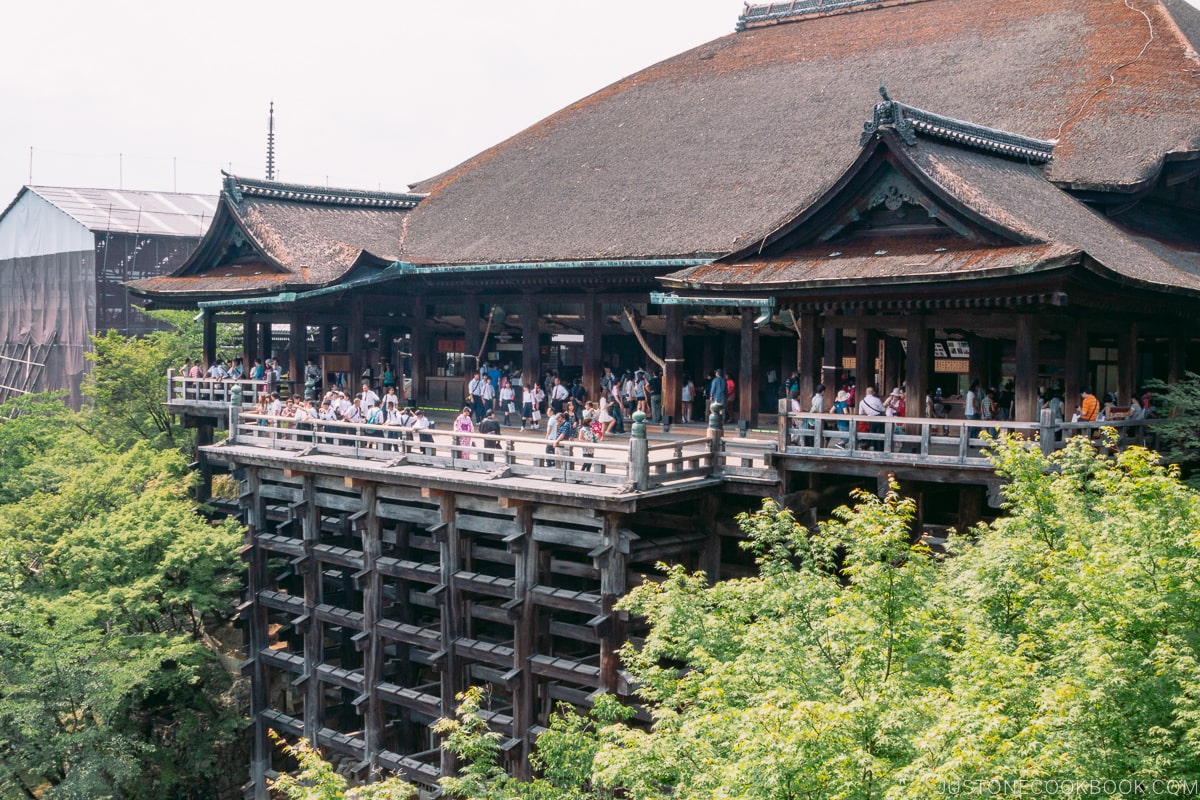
point(1060, 643)
point(316, 779)
point(108, 579)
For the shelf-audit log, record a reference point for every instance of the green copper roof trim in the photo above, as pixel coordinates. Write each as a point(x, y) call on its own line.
point(400, 269)
point(242, 302)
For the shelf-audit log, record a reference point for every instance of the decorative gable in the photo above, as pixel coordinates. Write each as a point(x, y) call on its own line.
point(887, 192)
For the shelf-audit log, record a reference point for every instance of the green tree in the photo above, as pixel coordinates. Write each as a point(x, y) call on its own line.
point(1059, 643)
point(316, 779)
point(108, 579)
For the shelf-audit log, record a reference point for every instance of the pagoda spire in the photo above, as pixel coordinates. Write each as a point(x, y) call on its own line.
point(271, 142)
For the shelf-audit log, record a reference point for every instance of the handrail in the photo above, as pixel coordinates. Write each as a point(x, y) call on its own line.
point(183, 390)
point(926, 440)
point(573, 460)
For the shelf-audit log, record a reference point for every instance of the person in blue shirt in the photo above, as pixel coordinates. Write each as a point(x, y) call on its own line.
point(716, 390)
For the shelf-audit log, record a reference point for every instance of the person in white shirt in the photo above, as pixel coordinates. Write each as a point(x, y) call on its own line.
point(508, 397)
point(354, 413)
point(528, 404)
point(369, 398)
point(558, 396)
point(872, 406)
point(421, 425)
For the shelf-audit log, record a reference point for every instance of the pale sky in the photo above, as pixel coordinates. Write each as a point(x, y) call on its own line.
point(368, 94)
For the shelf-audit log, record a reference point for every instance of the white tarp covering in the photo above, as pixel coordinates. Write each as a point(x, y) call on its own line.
point(34, 227)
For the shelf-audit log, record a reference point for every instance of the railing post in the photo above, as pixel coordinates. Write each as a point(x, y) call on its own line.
point(715, 432)
point(234, 411)
point(1046, 430)
point(784, 405)
point(639, 453)
point(170, 385)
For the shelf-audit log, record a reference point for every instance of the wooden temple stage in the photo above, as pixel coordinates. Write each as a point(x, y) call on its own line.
point(388, 572)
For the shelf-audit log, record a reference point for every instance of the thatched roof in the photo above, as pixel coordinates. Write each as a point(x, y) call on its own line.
point(713, 148)
point(270, 236)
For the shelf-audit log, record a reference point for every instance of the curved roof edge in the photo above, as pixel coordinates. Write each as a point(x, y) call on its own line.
point(237, 188)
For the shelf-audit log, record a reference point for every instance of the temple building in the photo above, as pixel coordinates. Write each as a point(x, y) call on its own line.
point(1019, 202)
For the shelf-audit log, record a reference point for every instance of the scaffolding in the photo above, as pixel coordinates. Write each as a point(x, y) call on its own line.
point(23, 365)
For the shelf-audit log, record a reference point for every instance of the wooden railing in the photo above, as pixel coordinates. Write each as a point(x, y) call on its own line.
point(636, 465)
point(931, 441)
point(210, 391)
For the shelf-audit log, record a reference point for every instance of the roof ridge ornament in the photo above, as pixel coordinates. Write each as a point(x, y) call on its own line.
point(231, 187)
point(908, 121)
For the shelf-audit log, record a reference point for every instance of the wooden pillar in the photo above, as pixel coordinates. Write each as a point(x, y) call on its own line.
point(249, 341)
point(807, 365)
point(1127, 358)
point(266, 343)
point(710, 558)
point(1026, 388)
point(450, 610)
point(892, 374)
point(710, 356)
point(979, 364)
point(371, 645)
point(419, 345)
point(297, 351)
point(525, 577)
point(866, 350)
point(916, 365)
point(531, 351)
point(210, 337)
point(613, 565)
point(747, 384)
point(256, 581)
point(314, 648)
point(1075, 366)
point(831, 363)
point(354, 345)
point(592, 369)
point(472, 332)
point(970, 507)
point(672, 375)
point(1177, 346)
